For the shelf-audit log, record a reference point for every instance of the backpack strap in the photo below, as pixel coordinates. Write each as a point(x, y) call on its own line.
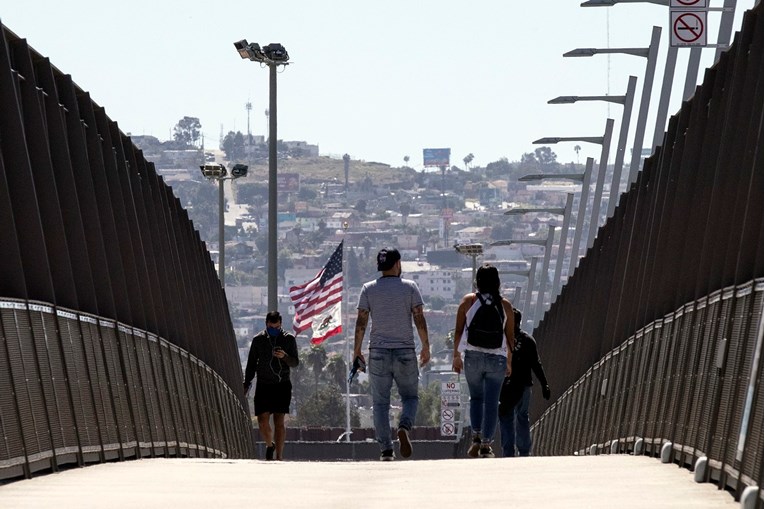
point(497, 305)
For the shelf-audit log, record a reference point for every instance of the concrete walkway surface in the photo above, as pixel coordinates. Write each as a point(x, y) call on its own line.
point(618, 481)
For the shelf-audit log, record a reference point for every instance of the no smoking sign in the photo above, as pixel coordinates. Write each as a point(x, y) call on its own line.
point(688, 23)
point(688, 28)
point(688, 4)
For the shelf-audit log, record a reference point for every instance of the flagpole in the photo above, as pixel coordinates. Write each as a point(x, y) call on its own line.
point(347, 329)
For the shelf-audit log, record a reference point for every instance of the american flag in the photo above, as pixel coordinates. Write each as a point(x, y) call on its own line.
point(317, 302)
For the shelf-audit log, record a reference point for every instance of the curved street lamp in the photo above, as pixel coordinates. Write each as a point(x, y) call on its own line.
point(650, 53)
point(627, 101)
point(605, 142)
point(586, 179)
point(530, 274)
point(566, 212)
point(547, 243)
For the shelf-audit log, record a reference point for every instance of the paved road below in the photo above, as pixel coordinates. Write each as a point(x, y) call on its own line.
point(618, 481)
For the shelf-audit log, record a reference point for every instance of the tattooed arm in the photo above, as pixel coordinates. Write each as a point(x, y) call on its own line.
point(361, 327)
point(422, 331)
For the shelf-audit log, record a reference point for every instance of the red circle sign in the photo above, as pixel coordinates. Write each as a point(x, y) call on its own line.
point(688, 27)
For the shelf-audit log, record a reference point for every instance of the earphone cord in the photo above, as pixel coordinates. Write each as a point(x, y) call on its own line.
point(278, 374)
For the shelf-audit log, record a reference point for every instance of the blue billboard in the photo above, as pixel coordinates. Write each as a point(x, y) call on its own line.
point(436, 156)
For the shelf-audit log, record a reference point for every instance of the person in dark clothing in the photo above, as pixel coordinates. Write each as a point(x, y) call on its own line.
point(516, 393)
point(272, 353)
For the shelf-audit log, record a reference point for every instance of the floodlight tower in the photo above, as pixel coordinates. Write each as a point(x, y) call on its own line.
point(473, 250)
point(218, 172)
point(272, 55)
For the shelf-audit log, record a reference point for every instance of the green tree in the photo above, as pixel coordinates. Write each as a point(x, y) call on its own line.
point(336, 370)
point(233, 146)
point(405, 210)
point(187, 131)
point(283, 262)
point(306, 194)
point(501, 168)
point(545, 156)
point(467, 160)
point(252, 192)
point(316, 359)
point(302, 389)
point(200, 199)
point(326, 408)
point(429, 406)
point(437, 302)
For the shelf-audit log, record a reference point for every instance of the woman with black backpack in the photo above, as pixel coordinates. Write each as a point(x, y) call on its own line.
point(489, 335)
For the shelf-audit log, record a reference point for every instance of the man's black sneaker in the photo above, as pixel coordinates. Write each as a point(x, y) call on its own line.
point(387, 455)
point(404, 444)
point(475, 446)
point(270, 452)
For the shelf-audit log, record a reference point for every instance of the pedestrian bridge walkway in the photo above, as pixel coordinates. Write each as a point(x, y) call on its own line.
point(607, 481)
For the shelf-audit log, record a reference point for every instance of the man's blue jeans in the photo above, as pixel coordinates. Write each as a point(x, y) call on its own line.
point(484, 373)
point(514, 427)
point(385, 366)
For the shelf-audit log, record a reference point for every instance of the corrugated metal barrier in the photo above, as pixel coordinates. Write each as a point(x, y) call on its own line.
point(657, 337)
point(115, 337)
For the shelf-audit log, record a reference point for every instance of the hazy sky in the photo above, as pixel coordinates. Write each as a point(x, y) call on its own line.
point(377, 80)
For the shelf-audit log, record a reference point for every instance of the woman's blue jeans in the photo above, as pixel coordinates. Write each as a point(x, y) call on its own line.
point(484, 373)
point(385, 366)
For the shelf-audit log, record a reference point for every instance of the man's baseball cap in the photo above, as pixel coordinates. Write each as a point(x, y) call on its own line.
point(387, 258)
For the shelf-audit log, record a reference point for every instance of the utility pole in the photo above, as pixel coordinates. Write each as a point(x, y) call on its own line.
point(248, 107)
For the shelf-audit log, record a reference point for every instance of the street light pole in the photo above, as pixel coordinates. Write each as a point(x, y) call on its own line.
point(627, 101)
point(585, 178)
point(473, 250)
point(547, 243)
point(218, 172)
point(273, 301)
point(605, 142)
point(566, 212)
point(529, 286)
point(221, 236)
point(650, 54)
point(272, 55)
point(539, 310)
point(583, 198)
point(529, 290)
point(602, 168)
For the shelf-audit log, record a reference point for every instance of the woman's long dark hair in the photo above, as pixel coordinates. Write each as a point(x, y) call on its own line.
point(487, 281)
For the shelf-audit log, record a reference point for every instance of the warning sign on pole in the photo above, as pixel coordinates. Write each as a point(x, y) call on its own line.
point(687, 4)
point(688, 28)
point(450, 406)
point(687, 23)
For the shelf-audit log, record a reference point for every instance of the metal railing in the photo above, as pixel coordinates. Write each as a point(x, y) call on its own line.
point(115, 335)
point(654, 340)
